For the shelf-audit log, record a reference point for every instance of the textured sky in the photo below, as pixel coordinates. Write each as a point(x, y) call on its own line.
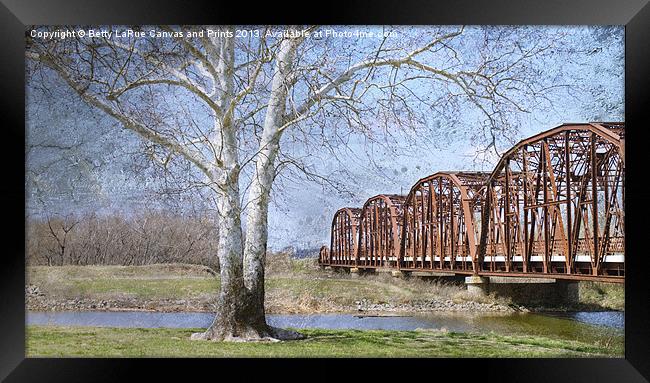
point(80, 161)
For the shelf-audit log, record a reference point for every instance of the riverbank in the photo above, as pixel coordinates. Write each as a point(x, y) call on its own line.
point(50, 341)
point(292, 287)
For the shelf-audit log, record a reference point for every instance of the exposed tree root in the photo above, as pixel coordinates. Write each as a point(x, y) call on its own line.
point(249, 334)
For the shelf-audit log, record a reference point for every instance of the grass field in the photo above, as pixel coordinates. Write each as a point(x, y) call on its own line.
point(46, 341)
point(298, 287)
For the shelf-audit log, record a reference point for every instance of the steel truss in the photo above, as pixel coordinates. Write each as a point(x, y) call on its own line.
point(552, 207)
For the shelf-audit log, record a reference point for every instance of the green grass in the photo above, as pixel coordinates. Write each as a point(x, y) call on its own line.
point(142, 282)
point(155, 271)
point(145, 289)
point(49, 341)
point(606, 295)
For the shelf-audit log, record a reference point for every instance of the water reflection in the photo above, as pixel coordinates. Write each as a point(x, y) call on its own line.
point(615, 319)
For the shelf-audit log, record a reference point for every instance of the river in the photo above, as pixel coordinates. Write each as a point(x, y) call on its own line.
point(583, 326)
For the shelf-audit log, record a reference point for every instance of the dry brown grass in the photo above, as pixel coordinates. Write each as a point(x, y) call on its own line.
point(292, 286)
point(300, 286)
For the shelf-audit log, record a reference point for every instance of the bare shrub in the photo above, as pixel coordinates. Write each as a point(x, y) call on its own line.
point(140, 239)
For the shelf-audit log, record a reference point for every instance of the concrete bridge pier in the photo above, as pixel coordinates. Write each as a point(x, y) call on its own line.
point(445, 277)
point(477, 285)
point(400, 274)
point(526, 291)
point(569, 291)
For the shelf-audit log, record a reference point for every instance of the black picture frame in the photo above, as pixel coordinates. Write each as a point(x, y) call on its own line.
point(16, 15)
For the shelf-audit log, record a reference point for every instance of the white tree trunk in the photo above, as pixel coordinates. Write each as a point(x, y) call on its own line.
point(256, 225)
point(241, 311)
point(239, 316)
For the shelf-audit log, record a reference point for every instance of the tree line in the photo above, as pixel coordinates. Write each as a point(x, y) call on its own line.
point(118, 239)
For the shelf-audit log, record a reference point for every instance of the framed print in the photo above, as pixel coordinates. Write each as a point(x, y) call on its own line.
point(446, 182)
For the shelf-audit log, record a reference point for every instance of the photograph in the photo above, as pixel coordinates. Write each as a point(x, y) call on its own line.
point(325, 191)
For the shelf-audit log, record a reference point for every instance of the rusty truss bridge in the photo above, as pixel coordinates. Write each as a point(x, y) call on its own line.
point(553, 207)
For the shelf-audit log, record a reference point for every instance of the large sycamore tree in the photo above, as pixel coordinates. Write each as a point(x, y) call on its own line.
point(222, 101)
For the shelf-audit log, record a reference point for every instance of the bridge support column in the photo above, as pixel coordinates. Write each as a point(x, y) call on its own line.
point(438, 276)
point(354, 272)
point(568, 291)
point(400, 274)
point(477, 285)
point(536, 291)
